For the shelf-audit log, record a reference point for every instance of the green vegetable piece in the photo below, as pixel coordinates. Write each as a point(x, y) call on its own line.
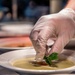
point(53, 56)
point(47, 60)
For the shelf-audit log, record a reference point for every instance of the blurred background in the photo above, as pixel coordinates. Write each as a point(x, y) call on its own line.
point(17, 17)
point(28, 10)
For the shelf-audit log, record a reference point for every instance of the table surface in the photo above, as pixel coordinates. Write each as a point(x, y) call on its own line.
point(4, 71)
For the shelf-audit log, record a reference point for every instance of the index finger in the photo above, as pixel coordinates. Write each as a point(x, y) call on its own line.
point(41, 43)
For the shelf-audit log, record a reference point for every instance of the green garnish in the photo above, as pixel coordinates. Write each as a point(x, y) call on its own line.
point(53, 56)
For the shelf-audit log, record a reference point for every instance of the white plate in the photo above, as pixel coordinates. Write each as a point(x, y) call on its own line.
point(6, 58)
point(17, 28)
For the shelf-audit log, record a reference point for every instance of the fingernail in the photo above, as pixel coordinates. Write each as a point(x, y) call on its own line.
point(50, 42)
point(38, 59)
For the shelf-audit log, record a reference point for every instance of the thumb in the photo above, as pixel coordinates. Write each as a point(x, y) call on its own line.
point(59, 44)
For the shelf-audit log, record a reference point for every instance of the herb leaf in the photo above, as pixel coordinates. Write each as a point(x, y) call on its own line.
point(47, 60)
point(53, 56)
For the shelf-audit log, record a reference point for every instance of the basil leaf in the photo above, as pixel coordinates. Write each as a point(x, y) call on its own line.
point(47, 60)
point(53, 56)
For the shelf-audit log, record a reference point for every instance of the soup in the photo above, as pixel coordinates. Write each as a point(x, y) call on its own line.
point(25, 63)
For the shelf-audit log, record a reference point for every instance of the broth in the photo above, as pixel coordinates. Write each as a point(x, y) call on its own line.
point(25, 63)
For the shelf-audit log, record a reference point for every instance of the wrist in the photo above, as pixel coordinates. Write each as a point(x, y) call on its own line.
point(68, 12)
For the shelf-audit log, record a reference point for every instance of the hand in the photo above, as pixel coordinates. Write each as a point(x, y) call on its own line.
point(59, 27)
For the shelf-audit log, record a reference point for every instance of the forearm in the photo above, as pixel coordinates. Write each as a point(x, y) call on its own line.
point(70, 4)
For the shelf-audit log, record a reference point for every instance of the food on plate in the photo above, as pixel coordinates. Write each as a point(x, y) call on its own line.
point(50, 58)
point(29, 63)
point(15, 42)
point(23, 44)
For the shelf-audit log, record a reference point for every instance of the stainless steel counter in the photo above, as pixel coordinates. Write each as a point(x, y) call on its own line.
point(4, 71)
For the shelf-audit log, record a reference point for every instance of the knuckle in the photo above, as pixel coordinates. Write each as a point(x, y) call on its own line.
point(40, 38)
point(41, 41)
point(31, 35)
